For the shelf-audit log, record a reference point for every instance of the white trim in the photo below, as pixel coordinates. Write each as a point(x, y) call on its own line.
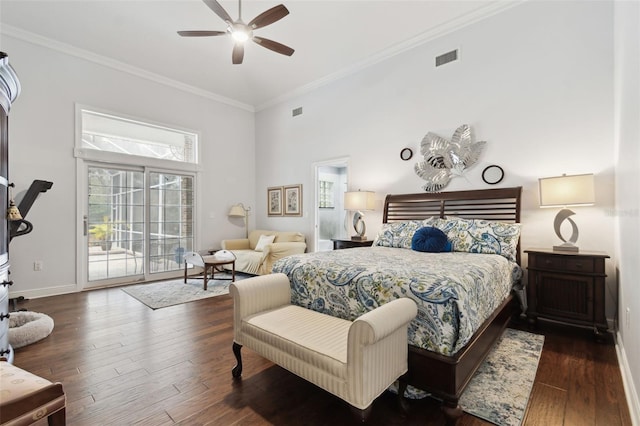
point(46, 292)
point(432, 34)
point(633, 402)
point(117, 65)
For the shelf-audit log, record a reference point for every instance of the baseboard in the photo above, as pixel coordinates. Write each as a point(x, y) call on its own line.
point(44, 292)
point(627, 381)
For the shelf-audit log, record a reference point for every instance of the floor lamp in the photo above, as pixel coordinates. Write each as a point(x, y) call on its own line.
point(239, 210)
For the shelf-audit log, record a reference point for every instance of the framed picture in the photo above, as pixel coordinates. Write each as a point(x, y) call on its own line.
point(274, 201)
point(293, 200)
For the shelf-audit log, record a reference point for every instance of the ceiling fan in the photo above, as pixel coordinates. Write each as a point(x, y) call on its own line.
point(242, 32)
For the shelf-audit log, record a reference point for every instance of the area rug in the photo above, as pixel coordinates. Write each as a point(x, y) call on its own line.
point(175, 292)
point(26, 327)
point(500, 389)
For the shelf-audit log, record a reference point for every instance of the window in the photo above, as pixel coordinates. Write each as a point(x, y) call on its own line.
point(103, 132)
point(326, 194)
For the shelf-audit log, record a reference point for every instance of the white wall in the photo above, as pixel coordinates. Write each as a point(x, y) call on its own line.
point(41, 142)
point(535, 82)
point(627, 135)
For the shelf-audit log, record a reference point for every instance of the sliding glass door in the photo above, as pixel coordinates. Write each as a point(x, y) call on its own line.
point(138, 223)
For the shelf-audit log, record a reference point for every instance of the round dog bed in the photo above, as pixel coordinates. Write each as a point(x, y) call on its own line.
point(27, 327)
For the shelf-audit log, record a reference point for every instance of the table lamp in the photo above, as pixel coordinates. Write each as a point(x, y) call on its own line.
point(358, 201)
point(563, 191)
point(239, 210)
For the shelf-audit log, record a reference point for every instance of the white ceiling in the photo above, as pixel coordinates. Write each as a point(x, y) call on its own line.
point(330, 38)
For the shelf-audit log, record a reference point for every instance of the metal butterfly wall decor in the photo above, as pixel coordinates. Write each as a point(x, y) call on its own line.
point(444, 159)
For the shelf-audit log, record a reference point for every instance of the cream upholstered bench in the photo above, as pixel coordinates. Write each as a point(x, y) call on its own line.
point(356, 361)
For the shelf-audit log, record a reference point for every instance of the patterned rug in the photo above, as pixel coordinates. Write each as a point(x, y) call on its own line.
point(161, 294)
point(500, 389)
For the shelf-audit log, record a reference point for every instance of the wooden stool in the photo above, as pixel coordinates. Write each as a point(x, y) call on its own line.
point(26, 398)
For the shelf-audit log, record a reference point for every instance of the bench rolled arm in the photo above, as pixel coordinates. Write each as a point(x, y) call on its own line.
point(258, 294)
point(377, 349)
point(377, 324)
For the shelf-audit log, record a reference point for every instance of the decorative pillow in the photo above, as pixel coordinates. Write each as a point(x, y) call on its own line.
point(482, 236)
point(399, 234)
point(431, 240)
point(263, 241)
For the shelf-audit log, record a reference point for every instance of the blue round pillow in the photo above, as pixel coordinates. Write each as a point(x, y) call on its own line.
point(430, 239)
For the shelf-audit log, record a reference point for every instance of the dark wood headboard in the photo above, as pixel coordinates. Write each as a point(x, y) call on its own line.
point(501, 204)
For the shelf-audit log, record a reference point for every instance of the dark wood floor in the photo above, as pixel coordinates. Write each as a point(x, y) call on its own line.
point(122, 363)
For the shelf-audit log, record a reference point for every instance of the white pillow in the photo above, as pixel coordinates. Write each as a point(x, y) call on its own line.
point(263, 241)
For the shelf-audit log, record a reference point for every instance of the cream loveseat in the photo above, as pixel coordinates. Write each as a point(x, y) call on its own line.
point(260, 262)
point(355, 361)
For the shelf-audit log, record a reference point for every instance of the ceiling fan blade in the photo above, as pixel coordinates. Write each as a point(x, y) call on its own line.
point(238, 53)
point(273, 45)
point(219, 10)
point(199, 33)
point(269, 17)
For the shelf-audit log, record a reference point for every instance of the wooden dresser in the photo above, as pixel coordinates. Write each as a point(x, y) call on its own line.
point(568, 287)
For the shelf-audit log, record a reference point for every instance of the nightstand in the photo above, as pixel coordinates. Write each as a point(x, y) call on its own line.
point(345, 244)
point(568, 287)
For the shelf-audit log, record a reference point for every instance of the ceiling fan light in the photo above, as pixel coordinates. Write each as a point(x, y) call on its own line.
point(239, 31)
point(240, 35)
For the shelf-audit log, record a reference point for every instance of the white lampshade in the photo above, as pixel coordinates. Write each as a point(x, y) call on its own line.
point(560, 191)
point(237, 211)
point(359, 200)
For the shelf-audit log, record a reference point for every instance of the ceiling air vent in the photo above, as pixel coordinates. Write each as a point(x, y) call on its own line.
point(445, 58)
point(296, 111)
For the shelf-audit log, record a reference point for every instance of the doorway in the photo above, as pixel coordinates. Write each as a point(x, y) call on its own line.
point(331, 178)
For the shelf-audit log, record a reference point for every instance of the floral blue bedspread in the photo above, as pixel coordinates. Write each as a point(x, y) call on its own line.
point(455, 292)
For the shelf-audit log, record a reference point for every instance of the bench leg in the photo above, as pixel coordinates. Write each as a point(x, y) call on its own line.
point(237, 370)
point(59, 418)
point(402, 387)
point(361, 415)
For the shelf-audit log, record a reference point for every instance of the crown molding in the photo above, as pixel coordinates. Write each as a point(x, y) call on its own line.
point(117, 65)
point(427, 36)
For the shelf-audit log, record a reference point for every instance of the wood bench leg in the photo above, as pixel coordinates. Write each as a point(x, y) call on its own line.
point(59, 418)
point(236, 372)
point(402, 387)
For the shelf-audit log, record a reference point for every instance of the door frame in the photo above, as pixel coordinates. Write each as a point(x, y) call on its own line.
point(82, 234)
point(334, 162)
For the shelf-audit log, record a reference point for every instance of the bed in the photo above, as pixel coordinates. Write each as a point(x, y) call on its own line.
point(464, 296)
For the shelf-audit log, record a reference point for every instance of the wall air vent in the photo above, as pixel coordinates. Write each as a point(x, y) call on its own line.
point(296, 111)
point(445, 58)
